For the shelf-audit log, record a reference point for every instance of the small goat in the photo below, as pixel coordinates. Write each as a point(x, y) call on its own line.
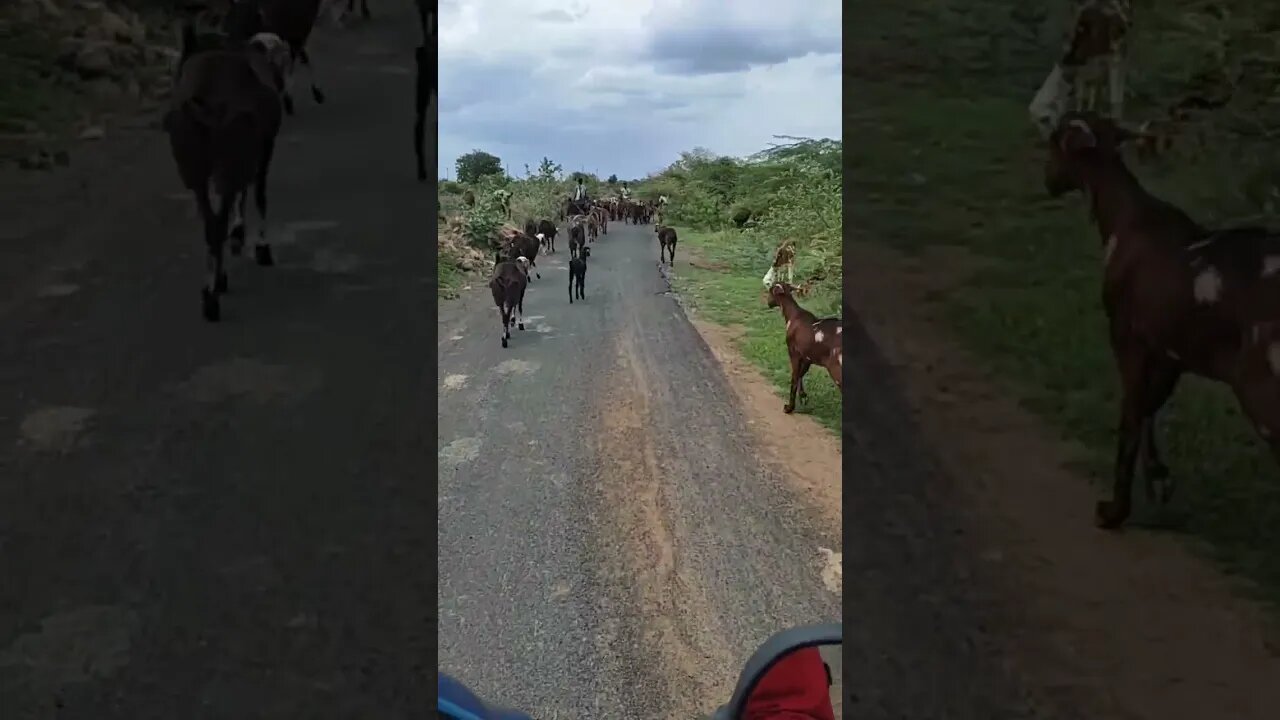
point(222, 124)
point(577, 239)
point(520, 245)
point(548, 231)
point(809, 341)
point(578, 273)
point(292, 20)
point(1178, 298)
point(666, 243)
point(510, 278)
point(783, 260)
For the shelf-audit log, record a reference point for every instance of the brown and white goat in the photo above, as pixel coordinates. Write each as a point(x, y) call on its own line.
point(1178, 299)
point(809, 340)
point(292, 20)
point(222, 124)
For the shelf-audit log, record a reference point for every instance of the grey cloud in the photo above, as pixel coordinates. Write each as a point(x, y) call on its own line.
point(714, 50)
point(554, 16)
point(473, 82)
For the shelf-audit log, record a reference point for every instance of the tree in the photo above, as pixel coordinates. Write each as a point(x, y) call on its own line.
point(613, 180)
point(548, 169)
point(477, 164)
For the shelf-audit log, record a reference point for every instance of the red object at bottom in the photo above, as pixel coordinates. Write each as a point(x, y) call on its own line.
point(795, 688)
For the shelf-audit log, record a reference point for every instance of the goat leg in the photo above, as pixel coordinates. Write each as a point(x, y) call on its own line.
point(1161, 380)
point(805, 364)
point(262, 248)
point(795, 384)
point(237, 225)
point(316, 93)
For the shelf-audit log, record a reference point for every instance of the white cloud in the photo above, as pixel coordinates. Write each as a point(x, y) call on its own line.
point(623, 87)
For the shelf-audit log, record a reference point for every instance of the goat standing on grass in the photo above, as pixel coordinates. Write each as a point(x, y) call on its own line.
point(510, 278)
point(292, 20)
point(1178, 299)
point(222, 124)
point(809, 341)
point(578, 274)
point(666, 244)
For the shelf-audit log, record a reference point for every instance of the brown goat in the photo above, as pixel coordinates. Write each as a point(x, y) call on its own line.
point(666, 243)
point(809, 341)
point(222, 125)
point(1178, 298)
point(509, 281)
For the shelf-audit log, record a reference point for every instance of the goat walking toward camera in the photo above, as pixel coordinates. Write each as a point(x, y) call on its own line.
point(509, 281)
point(666, 243)
point(222, 124)
point(578, 274)
point(292, 20)
point(547, 230)
point(810, 341)
point(1178, 299)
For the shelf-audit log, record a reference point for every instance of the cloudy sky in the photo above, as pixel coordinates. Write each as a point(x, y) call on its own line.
point(623, 86)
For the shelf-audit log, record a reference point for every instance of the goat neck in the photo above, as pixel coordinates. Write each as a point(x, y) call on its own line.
point(791, 309)
point(1117, 200)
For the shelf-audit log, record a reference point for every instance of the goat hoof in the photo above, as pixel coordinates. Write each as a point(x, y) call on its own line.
point(521, 326)
point(504, 342)
point(317, 95)
point(209, 305)
point(262, 254)
point(788, 408)
point(220, 283)
point(1110, 515)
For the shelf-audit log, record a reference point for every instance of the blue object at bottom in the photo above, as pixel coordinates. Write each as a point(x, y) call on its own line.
point(455, 700)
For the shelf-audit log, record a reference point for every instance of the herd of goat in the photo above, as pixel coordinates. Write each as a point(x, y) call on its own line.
point(232, 89)
point(587, 220)
point(810, 340)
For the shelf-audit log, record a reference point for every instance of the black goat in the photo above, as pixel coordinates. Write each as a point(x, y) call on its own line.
point(578, 273)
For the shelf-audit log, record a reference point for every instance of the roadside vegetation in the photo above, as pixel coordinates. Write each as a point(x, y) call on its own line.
point(731, 215)
point(946, 155)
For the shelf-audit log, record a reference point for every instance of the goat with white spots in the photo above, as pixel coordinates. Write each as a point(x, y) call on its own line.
point(810, 341)
point(1178, 298)
point(222, 123)
point(509, 281)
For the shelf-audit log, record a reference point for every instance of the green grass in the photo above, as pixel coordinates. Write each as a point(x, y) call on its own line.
point(731, 294)
point(945, 154)
point(33, 91)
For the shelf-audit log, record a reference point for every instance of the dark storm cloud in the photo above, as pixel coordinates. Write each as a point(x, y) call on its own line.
point(714, 50)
